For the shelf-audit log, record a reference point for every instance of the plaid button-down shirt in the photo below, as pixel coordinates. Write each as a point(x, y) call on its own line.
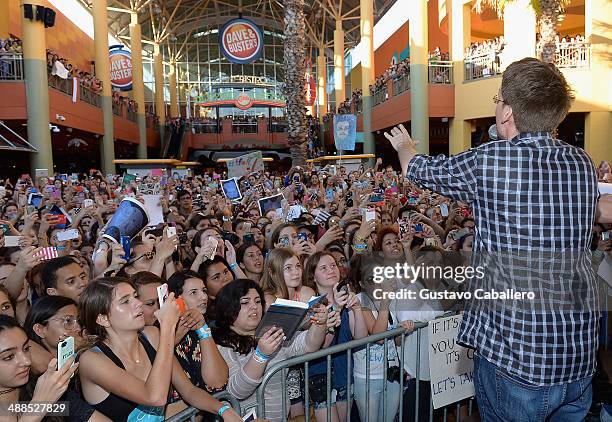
point(534, 201)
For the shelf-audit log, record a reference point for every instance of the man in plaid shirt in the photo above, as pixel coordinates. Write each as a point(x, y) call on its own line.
point(534, 200)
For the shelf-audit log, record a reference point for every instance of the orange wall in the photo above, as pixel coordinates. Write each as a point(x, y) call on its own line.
point(398, 42)
point(65, 38)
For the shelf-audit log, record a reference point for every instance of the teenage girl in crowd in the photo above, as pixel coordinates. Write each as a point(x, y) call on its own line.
point(129, 368)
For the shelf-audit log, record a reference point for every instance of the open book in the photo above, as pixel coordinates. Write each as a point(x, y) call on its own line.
point(286, 314)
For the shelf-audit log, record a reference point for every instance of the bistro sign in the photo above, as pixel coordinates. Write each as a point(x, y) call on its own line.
point(241, 41)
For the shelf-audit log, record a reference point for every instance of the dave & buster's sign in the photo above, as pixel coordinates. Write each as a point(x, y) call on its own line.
point(241, 41)
point(120, 68)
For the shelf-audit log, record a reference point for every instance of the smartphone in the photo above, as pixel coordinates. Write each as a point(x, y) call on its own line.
point(284, 241)
point(156, 232)
point(343, 285)
point(181, 304)
point(67, 235)
point(87, 202)
point(460, 233)
point(370, 215)
point(376, 198)
point(5, 228)
point(162, 294)
point(605, 236)
point(418, 228)
point(171, 231)
point(126, 243)
point(403, 228)
point(302, 236)
point(11, 241)
point(249, 239)
point(65, 350)
point(35, 199)
point(215, 243)
point(444, 210)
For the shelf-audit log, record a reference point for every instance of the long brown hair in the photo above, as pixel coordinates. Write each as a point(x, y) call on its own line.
point(96, 300)
point(273, 279)
point(308, 276)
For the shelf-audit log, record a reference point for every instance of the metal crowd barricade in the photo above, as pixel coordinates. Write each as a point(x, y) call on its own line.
point(190, 413)
point(11, 67)
point(367, 342)
point(381, 95)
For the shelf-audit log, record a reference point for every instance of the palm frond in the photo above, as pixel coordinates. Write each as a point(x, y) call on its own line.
point(497, 5)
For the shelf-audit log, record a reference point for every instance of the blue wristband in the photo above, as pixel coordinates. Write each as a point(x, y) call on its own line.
point(233, 266)
point(203, 332)
point(222, 410)
point(261, 355)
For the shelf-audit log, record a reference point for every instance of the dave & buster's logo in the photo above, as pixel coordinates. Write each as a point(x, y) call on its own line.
point(241, 41)
point(120, 68)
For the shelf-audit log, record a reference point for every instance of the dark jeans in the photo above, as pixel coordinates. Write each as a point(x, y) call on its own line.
point(505, 398)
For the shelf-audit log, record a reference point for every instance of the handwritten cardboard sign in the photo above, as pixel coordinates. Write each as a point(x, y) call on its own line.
point(451, 366)
point(245, 164)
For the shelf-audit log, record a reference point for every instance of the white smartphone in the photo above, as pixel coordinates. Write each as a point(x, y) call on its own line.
point(65, 350)
point(370, 215)
point(162, 294)
point(67, 235)
point(171, 231)
point(11, 241)
point(88, 203)
point(444, 210)
point(215, 242)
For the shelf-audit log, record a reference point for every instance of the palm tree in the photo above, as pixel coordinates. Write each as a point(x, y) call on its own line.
point(547, 12)
point(293, 89)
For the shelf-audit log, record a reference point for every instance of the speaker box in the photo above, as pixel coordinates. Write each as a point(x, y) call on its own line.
point(40, 13)
point(28, 12)
point(49, 18)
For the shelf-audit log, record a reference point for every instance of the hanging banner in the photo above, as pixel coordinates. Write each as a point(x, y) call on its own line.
point(345, 131)
point(241, 41)
point(120, 68)
point(245, 164)
point(310, 85)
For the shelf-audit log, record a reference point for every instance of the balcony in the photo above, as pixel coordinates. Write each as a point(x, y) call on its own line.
point(11, 67)
point(572, 55)
point(482, 66)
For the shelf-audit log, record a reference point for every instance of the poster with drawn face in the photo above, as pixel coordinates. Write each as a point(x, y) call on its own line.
point(345, 131)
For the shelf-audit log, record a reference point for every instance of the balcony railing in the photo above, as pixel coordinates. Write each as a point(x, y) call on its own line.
point(116, 109)
point(205, 127)
point(62, 85)
point(381, 95)
point(131, 115)
point(244, 127)
point(11, 67)
point(482, 66)
point(440, 72)
point(279, 126)
point(572, 55)
point(88, 96)
point(401, 84)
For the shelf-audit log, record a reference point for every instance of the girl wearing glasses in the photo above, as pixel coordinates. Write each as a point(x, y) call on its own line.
point(51, 320)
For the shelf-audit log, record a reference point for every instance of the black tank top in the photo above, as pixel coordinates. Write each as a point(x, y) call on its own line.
point(119, 409)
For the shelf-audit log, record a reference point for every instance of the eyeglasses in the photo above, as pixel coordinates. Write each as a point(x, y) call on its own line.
point(496, 99)
point(69, 321)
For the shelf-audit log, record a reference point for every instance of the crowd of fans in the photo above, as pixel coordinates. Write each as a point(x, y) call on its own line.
point(59, 66)
point(224, 255)
point(108, 303)
point(493, 46)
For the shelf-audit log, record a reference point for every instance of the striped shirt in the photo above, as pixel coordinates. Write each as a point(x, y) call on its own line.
point(534, 201)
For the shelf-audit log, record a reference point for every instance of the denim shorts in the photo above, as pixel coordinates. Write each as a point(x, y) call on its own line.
point(337, 395)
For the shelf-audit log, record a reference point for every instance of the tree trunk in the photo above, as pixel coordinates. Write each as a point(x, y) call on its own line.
point(547, 25)
point(294, 92)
